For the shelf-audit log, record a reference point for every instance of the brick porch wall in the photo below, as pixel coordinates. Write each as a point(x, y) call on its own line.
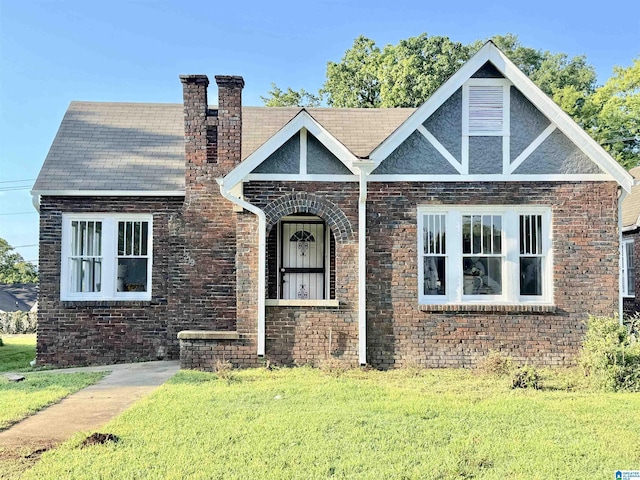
point(303, 335)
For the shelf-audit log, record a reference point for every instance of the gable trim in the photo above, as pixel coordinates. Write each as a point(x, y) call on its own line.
point(440, 148)
point(303, 120)
point(489, 52)
point(530, 149)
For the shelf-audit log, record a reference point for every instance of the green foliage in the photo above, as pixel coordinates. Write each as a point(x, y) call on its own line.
point(17, 352)
point(290, 98)
point(13, 268)
point(355, 80)
point(612, 115)
point(496, 363)
point(303, 423)
point(18, 322)
point(610, 355)
point(526, 376)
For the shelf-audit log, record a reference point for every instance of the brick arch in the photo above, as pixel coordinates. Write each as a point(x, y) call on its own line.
point(302, 202)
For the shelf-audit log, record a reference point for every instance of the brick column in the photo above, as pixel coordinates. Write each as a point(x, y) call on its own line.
point(229, 121)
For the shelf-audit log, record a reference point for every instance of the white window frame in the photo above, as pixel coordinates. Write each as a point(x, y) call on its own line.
point(510, 255)
point(624, 268)
point(108, 290)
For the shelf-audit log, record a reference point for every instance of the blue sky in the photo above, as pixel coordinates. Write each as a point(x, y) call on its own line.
point(52, 52)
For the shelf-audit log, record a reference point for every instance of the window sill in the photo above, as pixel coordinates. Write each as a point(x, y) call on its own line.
point(302, 303)
point(521, 308)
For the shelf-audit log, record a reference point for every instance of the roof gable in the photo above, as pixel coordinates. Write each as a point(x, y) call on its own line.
point(284, 141)
point(484, 68)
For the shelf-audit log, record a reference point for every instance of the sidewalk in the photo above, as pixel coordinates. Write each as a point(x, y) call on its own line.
point(91, 407)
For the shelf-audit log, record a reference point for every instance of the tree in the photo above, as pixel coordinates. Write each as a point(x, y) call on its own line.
point(402, 75)
point(13, 268)
point(291, 98)
point(355, 80)
point(612, 115)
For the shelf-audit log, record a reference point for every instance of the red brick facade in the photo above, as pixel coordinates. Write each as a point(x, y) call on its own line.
point(205, 269)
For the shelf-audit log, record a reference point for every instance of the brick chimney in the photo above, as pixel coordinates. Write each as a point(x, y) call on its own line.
point(229, 121)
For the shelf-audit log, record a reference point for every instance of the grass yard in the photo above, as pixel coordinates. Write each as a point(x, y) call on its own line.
point(17, 352)
point(309, 424)
point(21, 399)
point(38, 390)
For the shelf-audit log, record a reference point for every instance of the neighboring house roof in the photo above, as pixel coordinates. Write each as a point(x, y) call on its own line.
point(140, 146)
point(631, 205)
point(18, 297)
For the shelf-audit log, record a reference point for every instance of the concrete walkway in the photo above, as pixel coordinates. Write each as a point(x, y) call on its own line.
point(91, 407)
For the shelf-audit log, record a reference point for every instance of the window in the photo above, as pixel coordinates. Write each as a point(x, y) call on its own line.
point(106, 257)
point(486, 107)
point(484, 254)
point(628, 269)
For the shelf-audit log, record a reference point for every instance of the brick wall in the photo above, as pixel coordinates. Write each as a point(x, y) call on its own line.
point(81, 333)
point(585, 276)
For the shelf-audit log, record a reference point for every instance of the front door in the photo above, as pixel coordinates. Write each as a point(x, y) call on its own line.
point(302, 270)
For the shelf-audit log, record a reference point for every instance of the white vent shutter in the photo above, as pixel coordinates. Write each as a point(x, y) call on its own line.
point(485, 109)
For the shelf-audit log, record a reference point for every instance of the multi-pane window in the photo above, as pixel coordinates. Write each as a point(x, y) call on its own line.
point(434, 254)
point(482, 254)
point(497, 254)
point(106, 257)
point(628, 269)
point(531, 255)
point(85, 258)
point(133, 256)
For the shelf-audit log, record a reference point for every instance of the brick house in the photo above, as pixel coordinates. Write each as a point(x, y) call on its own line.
point(485, 219)
point(630, 219)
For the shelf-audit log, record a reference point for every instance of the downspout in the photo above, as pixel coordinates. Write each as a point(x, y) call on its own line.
point(365, 168)
point(621, 198)
point(262, 258)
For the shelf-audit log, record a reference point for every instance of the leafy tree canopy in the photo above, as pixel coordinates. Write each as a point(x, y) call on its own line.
point(13, 268)
point(291, 98)
point(612, 115)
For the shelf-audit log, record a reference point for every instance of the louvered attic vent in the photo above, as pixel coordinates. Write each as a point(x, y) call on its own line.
point(485, 109)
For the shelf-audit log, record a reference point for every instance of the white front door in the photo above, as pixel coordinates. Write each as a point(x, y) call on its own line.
point(302, 271)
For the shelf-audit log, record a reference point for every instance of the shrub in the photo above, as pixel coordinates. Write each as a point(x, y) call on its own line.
point(610, 355)
point(496, 363)
point(526, 376)
point(18, 322)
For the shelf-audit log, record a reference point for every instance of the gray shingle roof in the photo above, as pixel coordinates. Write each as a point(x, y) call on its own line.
point(140, 146)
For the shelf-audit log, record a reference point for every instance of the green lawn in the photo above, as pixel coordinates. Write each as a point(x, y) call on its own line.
point(307, 424)
point(21, 399)
point(17, 352)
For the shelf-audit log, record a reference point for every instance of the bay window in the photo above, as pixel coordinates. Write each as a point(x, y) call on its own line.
point(106, 257)
point(493, 254)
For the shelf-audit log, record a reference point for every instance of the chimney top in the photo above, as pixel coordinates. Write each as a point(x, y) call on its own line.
point(197, 79)
point(229, 81)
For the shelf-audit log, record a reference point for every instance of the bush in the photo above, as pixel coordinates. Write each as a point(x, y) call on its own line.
point(526, 376)
point(18, 322)
point(496, 363)
point(611, 355)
